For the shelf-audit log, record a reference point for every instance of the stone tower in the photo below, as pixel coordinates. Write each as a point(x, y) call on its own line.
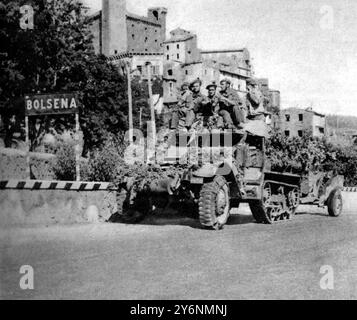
point(114, 27)
point(158, 15)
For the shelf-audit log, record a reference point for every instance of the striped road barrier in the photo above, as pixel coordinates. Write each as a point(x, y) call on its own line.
point(56, 185)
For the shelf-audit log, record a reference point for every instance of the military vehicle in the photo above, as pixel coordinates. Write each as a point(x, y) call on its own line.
point(230, 167)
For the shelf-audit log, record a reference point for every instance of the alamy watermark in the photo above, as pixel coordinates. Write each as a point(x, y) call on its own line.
point(327, 281)
point(26, 20)
point(27, 279)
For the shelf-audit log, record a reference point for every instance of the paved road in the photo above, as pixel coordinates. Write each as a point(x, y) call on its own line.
point(174, 259)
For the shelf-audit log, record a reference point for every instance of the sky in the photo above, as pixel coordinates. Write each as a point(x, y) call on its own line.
point(307, 49)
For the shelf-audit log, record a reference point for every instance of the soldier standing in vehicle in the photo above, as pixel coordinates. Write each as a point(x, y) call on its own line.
point(255, 101)
point(256, 111)
point(231, 106)
point(185, 113)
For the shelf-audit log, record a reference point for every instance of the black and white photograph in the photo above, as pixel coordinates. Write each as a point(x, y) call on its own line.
point(197, 152)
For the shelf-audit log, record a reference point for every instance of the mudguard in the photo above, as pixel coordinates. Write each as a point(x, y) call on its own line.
point(222, 168)
point(333, 183)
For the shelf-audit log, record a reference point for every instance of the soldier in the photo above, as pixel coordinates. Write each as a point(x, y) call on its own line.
point(256, 111)
point(255, 101)
point(198, 99)
point(231, 106)
point(185, 111)
point(211, 104)
point(211, 107)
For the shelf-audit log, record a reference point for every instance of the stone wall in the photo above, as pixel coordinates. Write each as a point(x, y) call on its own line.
point(13, 165)
point(47, 207)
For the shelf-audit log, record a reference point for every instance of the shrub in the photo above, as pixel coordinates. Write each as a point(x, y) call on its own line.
point(104, 162)
point(296, 154)
point(65, 164)
point(307, 153)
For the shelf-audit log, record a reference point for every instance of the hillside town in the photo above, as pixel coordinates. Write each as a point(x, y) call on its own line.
point(128, 148)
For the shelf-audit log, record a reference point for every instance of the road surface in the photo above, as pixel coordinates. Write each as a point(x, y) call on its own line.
point(175, 259)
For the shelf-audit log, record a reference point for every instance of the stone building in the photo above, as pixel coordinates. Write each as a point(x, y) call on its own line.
point(184, 62)
point(294, 122)
point(124, 36)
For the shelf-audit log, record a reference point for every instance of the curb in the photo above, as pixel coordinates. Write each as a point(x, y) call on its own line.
point(56, 185)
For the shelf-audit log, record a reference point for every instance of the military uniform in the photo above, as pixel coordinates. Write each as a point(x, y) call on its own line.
point(234, 107)
point(184, 113)
point(255, 102)
point(210, 108)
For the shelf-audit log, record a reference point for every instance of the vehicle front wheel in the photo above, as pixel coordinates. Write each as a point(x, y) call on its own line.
point(214, 203)
point(335, 203)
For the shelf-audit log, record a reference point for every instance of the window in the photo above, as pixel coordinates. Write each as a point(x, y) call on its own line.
point(287, 133)
point(287, 117)
point(186, 72)
point(322, 130)
point(155, 14)
point(168, 57)
point(140, 68)
point(300, 133)
point(168, 47)
point(146, 39)
point(133, 36)
point(178, 46)
point(115, 51)
point(301, 117)
point(189, 51)
point(171, 87)
point(178, 56)
point(169, 72)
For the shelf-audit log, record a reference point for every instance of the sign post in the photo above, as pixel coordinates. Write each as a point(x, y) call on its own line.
point(27, 140)
point(78, 172)
point(130, 102)
point(52, 104)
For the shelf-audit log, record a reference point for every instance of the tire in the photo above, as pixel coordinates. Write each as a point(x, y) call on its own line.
point(335, 203)
point(212, 208)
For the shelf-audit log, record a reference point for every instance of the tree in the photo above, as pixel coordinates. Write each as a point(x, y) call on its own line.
point(58, 56)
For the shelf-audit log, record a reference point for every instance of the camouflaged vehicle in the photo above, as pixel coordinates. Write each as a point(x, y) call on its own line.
point(220, 178)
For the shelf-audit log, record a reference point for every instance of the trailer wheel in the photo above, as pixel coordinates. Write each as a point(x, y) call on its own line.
point(335, 203)
point(214, 203)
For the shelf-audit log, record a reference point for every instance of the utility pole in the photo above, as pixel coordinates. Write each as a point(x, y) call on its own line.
point(130, 102)
point(151, 143)
point(152, 111)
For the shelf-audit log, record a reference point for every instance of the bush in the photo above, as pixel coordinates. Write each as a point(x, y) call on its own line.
point(303, 154)
point(296, 154)
point(65, 164)
point(105, 162)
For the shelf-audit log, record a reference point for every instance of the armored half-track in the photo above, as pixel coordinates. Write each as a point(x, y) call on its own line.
point(229, 167)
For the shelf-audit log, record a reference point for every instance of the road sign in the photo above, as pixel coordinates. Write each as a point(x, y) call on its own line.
point(59, 103)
